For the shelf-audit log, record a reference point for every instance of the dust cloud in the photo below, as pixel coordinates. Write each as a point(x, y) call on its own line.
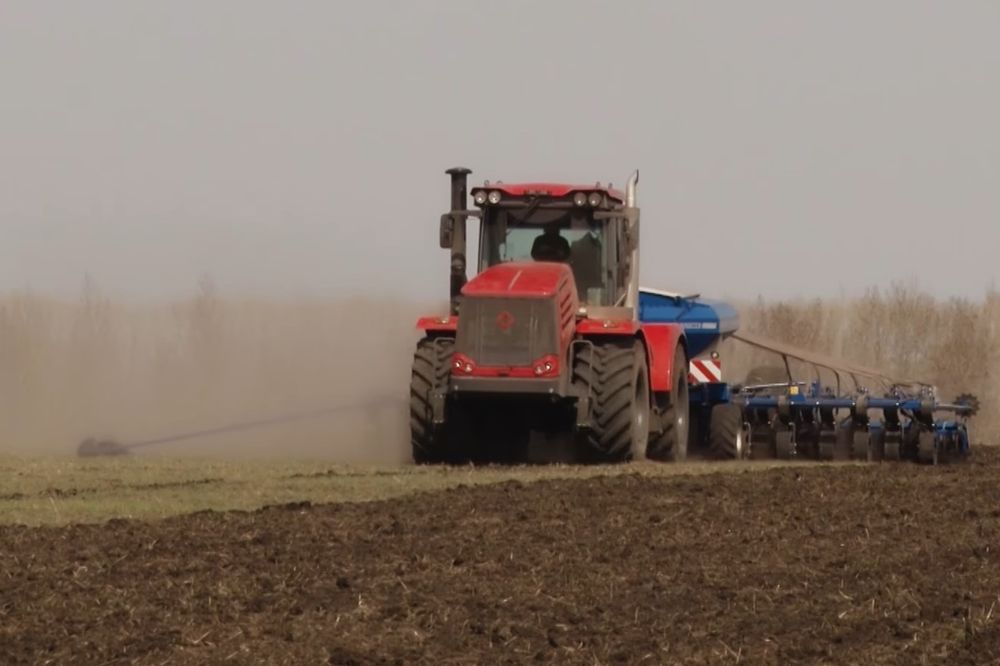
point(132, 373)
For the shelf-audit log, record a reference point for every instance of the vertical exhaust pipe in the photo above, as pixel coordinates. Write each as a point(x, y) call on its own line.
point(630, 186)
point(632, 220)
point(459, 201)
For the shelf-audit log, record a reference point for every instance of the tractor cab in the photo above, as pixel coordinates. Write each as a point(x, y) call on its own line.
point(557, 223)
point(593, 229)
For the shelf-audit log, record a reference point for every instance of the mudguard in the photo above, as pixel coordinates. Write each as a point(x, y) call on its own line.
point(661, 343)
point(438, 324)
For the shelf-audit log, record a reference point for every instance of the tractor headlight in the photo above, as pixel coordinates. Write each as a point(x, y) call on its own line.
point(580, 199)
point(479, 197)
point(494, 197)
point(594, 199)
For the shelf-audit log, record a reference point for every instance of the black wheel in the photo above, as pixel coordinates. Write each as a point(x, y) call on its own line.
point(429, 376)
point(947, 447)
point(617, 379)
point(844, 442)
point(671, 444)
point(927, 450)
point(876, 445)
point(784, 444)
point(860, 448)
point(807, 440)
point(762, 443)
point(893, 446)
point(827, 445)
point(726, 438)
point(911, 442)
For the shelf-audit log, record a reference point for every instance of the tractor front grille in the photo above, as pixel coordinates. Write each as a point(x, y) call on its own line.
point(507, 332)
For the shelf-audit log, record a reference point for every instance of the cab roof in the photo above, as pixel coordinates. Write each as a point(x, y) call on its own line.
point(549, 189)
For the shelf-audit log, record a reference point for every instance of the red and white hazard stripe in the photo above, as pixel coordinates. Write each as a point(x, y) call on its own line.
point(705, 371)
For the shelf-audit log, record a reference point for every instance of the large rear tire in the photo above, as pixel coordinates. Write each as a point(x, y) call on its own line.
point(726, 438)
point(616, 377)
point(429, 374)
point(671, 443)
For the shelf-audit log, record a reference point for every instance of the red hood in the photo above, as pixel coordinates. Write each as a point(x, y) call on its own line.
point(525, 279)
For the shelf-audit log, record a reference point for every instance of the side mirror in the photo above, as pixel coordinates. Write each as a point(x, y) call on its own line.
point(446, 231)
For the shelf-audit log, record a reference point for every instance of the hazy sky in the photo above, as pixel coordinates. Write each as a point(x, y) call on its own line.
point(786, 148)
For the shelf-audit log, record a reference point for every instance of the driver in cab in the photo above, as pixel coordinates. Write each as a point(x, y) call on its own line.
point(550, 246)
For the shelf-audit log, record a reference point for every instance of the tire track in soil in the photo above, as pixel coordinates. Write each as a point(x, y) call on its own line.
point(866, 564)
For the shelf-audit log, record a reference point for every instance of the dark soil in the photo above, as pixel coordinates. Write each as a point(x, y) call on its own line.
point(869, 564)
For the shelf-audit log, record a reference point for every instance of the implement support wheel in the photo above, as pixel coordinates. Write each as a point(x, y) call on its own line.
point(827, 444)
point(843, 441)
point(893, 446)
point(876, 445)
point(762, 443)
point(927, 450)
point(726, 438)
point(861, 449)
point(784, 444)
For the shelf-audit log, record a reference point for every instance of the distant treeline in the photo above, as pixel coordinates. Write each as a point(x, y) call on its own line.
point(94, 367)
point(902, 330)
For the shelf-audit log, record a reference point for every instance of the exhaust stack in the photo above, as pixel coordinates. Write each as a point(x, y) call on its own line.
point(633, 181)
point(459, 200)
point(632, 220)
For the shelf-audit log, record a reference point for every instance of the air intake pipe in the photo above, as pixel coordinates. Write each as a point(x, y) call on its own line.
point(459, 200)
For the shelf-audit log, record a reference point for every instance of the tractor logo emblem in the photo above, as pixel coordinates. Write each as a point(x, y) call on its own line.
point(505, 320)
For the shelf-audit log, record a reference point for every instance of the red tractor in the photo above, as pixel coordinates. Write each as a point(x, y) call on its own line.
point(545, 343)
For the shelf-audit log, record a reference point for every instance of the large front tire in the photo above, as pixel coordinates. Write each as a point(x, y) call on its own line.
point(429, 376)
point(616, 378)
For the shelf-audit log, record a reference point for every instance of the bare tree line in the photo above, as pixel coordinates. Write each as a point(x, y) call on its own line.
point(954, 343)
point(96, 367)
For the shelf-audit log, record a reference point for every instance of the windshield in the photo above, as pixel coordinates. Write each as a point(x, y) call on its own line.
point(572, 237)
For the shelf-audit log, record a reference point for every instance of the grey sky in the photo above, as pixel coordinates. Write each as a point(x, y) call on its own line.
point(786, 148)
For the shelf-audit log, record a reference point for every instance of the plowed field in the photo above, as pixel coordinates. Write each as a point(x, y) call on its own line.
point(818, 564)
